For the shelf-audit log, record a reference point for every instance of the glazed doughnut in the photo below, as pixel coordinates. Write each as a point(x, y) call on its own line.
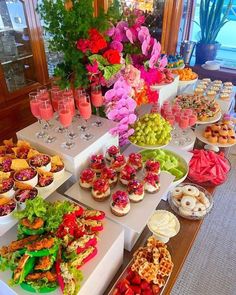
point(190, 190)
point(199, 210)
point(185, 212)
point(188, 202)
point(203, 199)
point(177, 192)
point(176, 201)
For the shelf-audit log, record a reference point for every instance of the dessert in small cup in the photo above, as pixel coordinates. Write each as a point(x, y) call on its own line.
point(135, 190)
point(57, 166)
point(5, 164)
point(27, 176)
point(120, 204)
point(112, 152)
point(152, 166)
point(87, 178)
point(7, 207)
point(97, 163)
point(109, 174)
point(101, 190)
point(22, 195)
point(118, 163)
point(127, 174)
point(151, 183)
point(135, 160)
point(40, 161)
point(7, 187)
point(45, 179)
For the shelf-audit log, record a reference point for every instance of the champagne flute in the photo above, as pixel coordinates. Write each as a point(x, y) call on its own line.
point(79, 94)
point(69, 99)
point(46, 113)
point(85, 112)
point(65, 118)
point(34, 107)
point(97, 101)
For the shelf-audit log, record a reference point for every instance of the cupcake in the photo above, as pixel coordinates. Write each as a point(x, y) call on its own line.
point(97, 163)
point(211, 94)
point(224, 96)
point(199, 91)
point(135, 160)
point(152, 166)
point(120, 204)
point(100, 190)
point(118, 163)
point(110, 175)
point(127, 174)
point(87, 177)
point(151, 182)
point(135, 190)
point(112, 152)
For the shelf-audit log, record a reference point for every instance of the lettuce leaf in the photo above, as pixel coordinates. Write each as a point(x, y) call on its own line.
point(110, 71)
point(72, 278)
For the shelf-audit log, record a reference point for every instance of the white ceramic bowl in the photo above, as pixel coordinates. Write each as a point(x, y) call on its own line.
point(9, 217)
point(21, 205)
point(32, 182)
point(10, 193)
point(58, 174)
point(46, 168)
point(212, 65)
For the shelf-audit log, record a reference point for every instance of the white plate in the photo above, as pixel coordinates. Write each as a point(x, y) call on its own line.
point(150, 147)
point(199, 134)
point(206, 67)
point(188, 82)
point(214, 119)
point(177, 68)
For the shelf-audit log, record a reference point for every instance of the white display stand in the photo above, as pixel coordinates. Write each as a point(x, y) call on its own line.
point(44, 193)
point(135, 221)
point(187, 146)
point(97, 273)
point(186, 87)
point(75, 159)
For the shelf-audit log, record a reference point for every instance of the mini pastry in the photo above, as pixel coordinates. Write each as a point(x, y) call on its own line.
point(223, 131)
point(135, 190)
point(135, 160)
point(231, 139)
point(224, 96)
point(199, 210)
point(231, 131)
point(151, 182)
point(215, 127)
point(120, 204)
point(152, 166)
point(211, 94)
point(127, 174)
point(118, 163)
point(188, 202)
point(208, 80)
point(203, 199)
point(228, 84)
point(216, 133)
point(190, 190)
point(87, 177)
point(223, 139)
point(214, 88)
point(177, 192)
point(97, 163)
point(110, 175)
point(207, 132)
point(112, 151)
point(212, 138)
point(229, 88)
point(217, 82)
point(225, 90)
point(101, 190)
point(202, 86)
point(185, 212)
point(199, 91)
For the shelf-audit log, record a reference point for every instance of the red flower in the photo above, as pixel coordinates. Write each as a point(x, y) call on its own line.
point(97, 41)
point(113, 56)
point(83, 45)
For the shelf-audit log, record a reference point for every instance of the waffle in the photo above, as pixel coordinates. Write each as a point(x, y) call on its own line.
point(164, 253)
point(148, 271)
point(159, 281)
point(156, 255)
point(165, 267)
point(137, 263)
point(152, 242)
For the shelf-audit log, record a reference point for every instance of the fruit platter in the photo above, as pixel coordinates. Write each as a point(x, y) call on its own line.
point(151, 131)
point(186, 76)
point(148, 272)
point(175, 62)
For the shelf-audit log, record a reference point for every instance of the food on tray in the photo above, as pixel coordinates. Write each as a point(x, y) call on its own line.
point(87, 177)
point(211, 94)
point(6, 187)
point(224, 95)
point(204, 107)
point(199, 91)
point(18, 164)
point(57, 164)
point(185, 74)
point(5, 164)
point(164, 225)
point(135, 160)
point(127, 174)
point(101, 190)
point(97, 163)
point(118, 163)
point(152, 166)
point(135, 190)
point(151, 182)
point(40, 161)
point(208, 167)
point(120, 204)
point(112, 152)
point(168, 160)
point(22, 195)
point(206, 80)
point(220, 133)
point(190, 201)
point(93, 214)
point(27, 176)
point(110, 175)
point(6, 206)
point(45, 179)
point(228, 84)
point(175, 61)
point(151, 129)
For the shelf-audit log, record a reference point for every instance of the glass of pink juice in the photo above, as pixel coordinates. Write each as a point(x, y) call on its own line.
point(85, 110)
point(46, 113)
point(80, 94)
point(69, 99)
point(65, 118)
point(97, 101)
point(192, 119)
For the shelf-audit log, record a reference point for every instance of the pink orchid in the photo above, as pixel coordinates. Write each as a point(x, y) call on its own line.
point(109, 95)
point(116, 45)
point(153, 61)
point(163, 62)
point(143, 34)
point(145, 47)
point(156, 49)
point(110, 32)
point(140, 20)
point(131, 34)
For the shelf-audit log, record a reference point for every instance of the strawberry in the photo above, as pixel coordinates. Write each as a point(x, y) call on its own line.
point(123, 285)
point(136, 289)
point(129, 292)
point(116, 292)
point(136, 280)
point(147, 292)
point(144, 285)
point(130, 275)
point(155, 289)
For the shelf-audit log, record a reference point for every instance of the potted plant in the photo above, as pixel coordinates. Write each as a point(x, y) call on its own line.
point(213, 16)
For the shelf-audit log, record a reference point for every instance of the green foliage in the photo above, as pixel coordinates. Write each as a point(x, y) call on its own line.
point(114, 12)
point(212, 19)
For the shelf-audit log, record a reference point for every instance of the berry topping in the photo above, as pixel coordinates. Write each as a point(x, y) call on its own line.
point(135, 159)
point(87, 175)
point(108, 173)
point(6, 185)
point(128, 172)
point(135, 187)
point(120, 199)
point(152, 179)
point(25, 174)
point(152, 166)
point(113, 150)
point(39, 160)
point(97, 162)
point(118, 161)
point(101, 185)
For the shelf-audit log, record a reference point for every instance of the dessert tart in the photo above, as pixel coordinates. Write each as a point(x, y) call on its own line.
point(223, 139)
point(152, 166)
point(40, 161)
point(135, 191)
point(97, 163)
point(118, 163)
point(135, 160)
point(151, 182)
point(27, 176)
point(120, 204)
point(110, 175)
point(101, 190)
point(112, 152)
point(127, 174)
point(232, 139)
point(87, 178)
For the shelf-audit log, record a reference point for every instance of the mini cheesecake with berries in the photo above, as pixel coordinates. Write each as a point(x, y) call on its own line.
point(87, 178)
point(152, 166)
point(135, 160)
point(97, 163)
point(110, 175)
point(120, 204)
point(118, 163)
point(112, 152)
point(127, 174)
point(101, 190)
point(151, 182)
point(135, 191)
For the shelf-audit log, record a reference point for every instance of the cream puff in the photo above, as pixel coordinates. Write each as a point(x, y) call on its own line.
point(87, 177)
point(97, 163)
point(101, 190)
point(118, 163)
point(207, 132)
point(152, 166)
point(110, 175)
point(135, 160)
point(223, 139)
point(120, 204)
point(212, 139)
point(215, 127)
point(231, 139)
point(151, 182)
point(127, 174)
point(223, 131)
point(135, 191)
point(112, 152)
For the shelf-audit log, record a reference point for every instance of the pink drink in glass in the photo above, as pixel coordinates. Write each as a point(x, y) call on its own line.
point(188, 112)
point(85, 110)
point(34, 107)
point(176, 108)
point(46, 111)
point(184, 122)
point(177, 116)
point(97, 98)
point(171, 119)
point(65, 117)
point(192, 119)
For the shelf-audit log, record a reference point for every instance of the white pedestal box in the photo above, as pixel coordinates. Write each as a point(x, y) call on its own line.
point(97, 273)
point(75, 159)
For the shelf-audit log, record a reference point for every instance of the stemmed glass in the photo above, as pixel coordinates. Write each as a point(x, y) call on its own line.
point(34, 107)
point(46, 113)
point(97, 101)
point(79, 95)
point(85, 112)
point(69, 99)
point(65, 118)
